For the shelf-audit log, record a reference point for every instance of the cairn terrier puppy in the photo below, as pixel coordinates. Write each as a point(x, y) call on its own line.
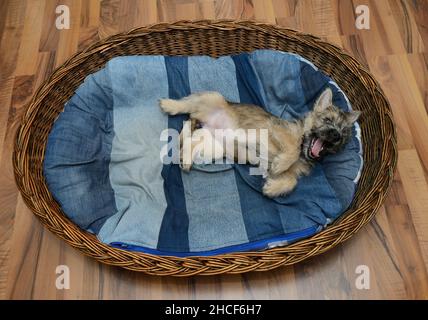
point(292, 146)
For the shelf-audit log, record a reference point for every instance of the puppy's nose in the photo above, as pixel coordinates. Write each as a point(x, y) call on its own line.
point(333, 135)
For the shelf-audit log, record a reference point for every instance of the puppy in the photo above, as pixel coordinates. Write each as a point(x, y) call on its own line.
point(292, 146)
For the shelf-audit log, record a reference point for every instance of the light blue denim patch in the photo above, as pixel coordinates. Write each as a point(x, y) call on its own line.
point(135, 165)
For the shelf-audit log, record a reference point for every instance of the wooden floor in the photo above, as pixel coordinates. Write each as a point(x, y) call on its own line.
point(394, 246)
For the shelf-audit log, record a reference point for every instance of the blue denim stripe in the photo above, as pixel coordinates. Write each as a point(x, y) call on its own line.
point(300, 211)
point(135, 166)
point(173, 235)
point(279, 74)
point(212, 198)
point(250, 90)
point(77, 156)
point(260, 214)
point(313, 84)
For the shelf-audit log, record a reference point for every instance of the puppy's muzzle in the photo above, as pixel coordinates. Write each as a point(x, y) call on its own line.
point(333, 135)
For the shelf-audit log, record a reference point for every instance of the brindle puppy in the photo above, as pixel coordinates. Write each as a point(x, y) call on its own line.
point(293, 146)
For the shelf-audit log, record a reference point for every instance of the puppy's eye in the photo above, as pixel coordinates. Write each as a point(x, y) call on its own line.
point(328, 120)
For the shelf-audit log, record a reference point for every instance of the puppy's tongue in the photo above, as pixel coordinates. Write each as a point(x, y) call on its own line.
point(317, 147)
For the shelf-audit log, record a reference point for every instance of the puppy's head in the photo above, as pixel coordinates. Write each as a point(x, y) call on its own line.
point(327, 128)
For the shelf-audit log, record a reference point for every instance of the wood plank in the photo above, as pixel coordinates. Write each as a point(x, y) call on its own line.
point(344, 16)
point(69, 38)
point(8, 190)
point(407, 26)
point(7, 194)
point(264, 11)
point(49, 33)
point(419, 10)
point(109, 18)
point(48, 258)
point(416, 190)
point(207, 9)
point(322, 21)
point(408, 252)
point(381, 24)
point(10, 39)
point(323, 277)
point(23, 87)
point(418, 117)
point(24, 252)
point(272, 285)
point(90, 16)
point(234, 9)
point(136, 13)
point(233, 287)
point(419, 68)
point(6, 89)
point(148, 287)
point(392, 84)
point(29, 48)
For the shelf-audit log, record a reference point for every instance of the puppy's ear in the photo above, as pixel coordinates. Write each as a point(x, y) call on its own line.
point(324, 100)
point(353, 116)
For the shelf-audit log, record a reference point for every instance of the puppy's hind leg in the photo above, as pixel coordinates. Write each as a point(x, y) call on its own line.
point(194, 104)
point(173, 107)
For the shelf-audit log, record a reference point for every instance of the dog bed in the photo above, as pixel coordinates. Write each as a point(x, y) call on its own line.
point(214, 39)
point(103, 165)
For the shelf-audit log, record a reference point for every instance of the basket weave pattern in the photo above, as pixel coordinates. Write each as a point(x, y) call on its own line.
point(213, 38)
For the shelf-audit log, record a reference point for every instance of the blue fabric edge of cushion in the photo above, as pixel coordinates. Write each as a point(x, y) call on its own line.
point(255, 245)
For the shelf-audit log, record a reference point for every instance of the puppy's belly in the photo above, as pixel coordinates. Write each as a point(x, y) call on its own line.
point(221, 126)
point(224, 138)
point(214, 134)
point(218, 119)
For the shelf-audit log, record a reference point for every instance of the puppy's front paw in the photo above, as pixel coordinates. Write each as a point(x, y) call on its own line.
point(278, 187)
point(168, 106)
point(272, 189)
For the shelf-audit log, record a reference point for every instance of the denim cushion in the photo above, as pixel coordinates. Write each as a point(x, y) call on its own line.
point(103, 157)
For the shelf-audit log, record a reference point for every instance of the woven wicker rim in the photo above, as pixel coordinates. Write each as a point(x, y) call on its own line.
point(214, 38)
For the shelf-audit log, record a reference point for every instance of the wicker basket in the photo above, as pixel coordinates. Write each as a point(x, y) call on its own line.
point(212, 38)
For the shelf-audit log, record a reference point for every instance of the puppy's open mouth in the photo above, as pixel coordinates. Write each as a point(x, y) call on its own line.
point(315, 149)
